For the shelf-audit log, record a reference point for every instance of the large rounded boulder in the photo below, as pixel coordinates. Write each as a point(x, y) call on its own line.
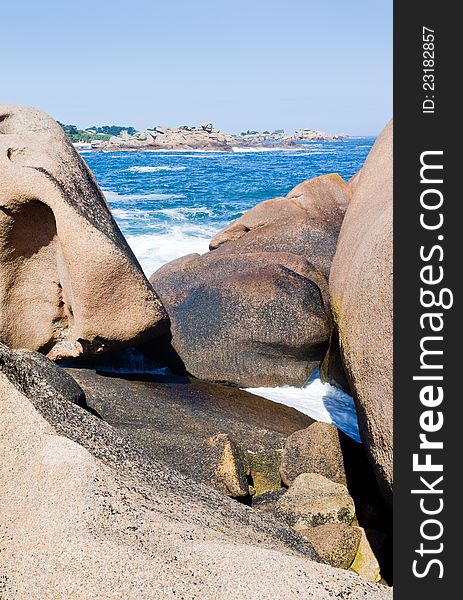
point(254, 310)
point(247, 319)
point(361, 301)
point(69, 283)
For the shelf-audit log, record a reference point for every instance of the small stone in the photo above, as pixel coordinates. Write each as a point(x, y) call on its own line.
point(227, 465)
point(314, 500)
point(316, 449)
point(335, 543)
point(265, 471)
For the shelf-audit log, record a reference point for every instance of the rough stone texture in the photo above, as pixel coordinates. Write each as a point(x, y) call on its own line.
point(336, 543)
point(306, 222)
point(316, 449)
point(353, 181)
point(365, 562)
point(314, 500)
point(87, 514)
point(361, 299)
point(61, 252)
point(321, 448)
point(267, 502)
point(247, 319)
point(227, 464)
point(265, 471)
point(176, 277)
point(34, 374)
point(173, 418)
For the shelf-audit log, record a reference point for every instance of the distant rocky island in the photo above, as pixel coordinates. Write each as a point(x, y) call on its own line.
point(204, 137)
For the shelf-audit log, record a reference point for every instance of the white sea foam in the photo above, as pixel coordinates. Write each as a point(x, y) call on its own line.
point(141, 169)
point(240, 150)
point(185, 151)
point(301, 150)
point(122, 214)
point(314, 152)
point(182, 213)
point(156, 249)
point(133, 215)
point(321, 401)
point(115, 197)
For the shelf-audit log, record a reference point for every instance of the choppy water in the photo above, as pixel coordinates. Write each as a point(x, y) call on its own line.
point(169, 204)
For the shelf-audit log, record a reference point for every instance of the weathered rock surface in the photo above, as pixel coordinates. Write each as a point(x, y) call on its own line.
point(306, 223)
point(316, 449)
point(321, 448)
point(63, 260)
point(336, 543)
point(267, 502)
point(314, 500)
point(365, 563)
point(177, 138)
point(211, 433)
point(361, 299)
point(264, 470)
point(253, 311)
point(87, 513)
point(244, 319)
point(227, 464)
point(34, 374)
point(353, 181)
point(207, 138)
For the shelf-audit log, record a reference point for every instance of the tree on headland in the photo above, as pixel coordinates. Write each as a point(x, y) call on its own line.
point(104, 132)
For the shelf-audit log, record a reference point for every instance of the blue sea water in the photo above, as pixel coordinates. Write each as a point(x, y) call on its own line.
point(169, 204)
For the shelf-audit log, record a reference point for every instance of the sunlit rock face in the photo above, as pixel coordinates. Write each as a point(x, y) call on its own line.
point(361, 301)
point(69, 283)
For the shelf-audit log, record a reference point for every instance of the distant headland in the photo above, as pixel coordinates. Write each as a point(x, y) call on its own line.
point(111, 138)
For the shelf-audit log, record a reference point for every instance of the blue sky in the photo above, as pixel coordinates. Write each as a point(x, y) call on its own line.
point(259, 64)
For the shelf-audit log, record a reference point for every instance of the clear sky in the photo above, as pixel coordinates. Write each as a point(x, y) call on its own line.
point(254, 64)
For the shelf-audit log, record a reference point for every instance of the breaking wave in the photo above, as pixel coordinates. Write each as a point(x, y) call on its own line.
point(321, 401)
point(142, 169)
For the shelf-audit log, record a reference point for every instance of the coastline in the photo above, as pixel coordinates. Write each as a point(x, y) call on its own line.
point(202, 428)
point(231, 150)
point(205, 138)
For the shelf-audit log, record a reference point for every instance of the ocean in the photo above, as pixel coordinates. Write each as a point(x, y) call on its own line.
point(169, 204)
